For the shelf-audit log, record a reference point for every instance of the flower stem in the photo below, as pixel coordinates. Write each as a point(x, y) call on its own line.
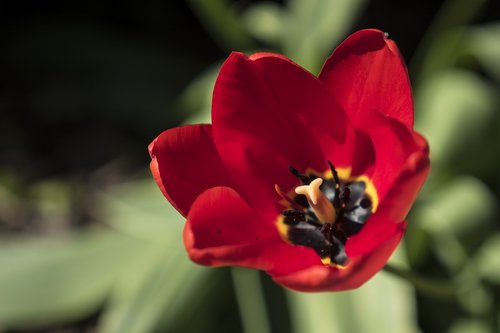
point(251, 302)
point(437, 288)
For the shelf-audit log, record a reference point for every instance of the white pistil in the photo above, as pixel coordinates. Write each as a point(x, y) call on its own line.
point(322, 207)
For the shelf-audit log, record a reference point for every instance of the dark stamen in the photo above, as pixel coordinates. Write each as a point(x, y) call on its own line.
point(304, 179)
point(327, 230)
point(352, 207)
point(293, 216)
point(347, 210)
point(365, 203)
point(345, 197)
point(337, 183)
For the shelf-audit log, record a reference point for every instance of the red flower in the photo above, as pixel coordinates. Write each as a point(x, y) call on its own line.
point(307, 178)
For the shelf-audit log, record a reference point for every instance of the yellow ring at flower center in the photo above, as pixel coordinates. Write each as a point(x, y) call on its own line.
point(344, 175)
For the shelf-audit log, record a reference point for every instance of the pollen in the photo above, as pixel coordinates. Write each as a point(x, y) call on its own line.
point(320, 204)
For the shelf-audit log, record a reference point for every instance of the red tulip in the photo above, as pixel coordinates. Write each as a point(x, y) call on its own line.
point(307, 178)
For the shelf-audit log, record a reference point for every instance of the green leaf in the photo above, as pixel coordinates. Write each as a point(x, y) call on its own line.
point(357, 311)
point(452, 109)
point(251, 302)
point(460, 207)
point(314, 27)
point(163, 285)
point(442, 44)
point(266, 22)
point(196, 100)
point(58, 279)
point(221, 21)
point(484, 43)
point(488, 260)
point(138, 208)
point(469, 326)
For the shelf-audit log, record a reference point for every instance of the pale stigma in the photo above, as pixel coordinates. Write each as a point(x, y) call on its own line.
point(322, 207)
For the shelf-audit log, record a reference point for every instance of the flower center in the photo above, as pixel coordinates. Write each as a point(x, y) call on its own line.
point(325, 211)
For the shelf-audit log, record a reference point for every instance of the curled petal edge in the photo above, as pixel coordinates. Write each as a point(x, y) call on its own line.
point(184, 163)
point(222, 229)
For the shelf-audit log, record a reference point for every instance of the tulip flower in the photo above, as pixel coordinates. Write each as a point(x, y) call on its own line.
point(307, 178)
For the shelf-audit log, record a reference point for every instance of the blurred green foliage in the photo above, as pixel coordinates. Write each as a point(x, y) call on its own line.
point(103, 249)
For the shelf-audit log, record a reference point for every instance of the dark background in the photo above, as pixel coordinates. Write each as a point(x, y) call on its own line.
point(85, 82)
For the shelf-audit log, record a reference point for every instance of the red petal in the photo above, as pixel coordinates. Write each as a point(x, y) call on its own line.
point(364, 157)
point(288, 259)
point(222, 229)
point(378, 229)
point(268, 114)
point(394, 144)
point(302, 95)
point(360, 270)
point(405, 188)
point(367, 72)
point(396, 203)
point(185, 163)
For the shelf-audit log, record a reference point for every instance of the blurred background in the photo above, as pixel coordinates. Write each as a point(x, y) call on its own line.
point(89, 244)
